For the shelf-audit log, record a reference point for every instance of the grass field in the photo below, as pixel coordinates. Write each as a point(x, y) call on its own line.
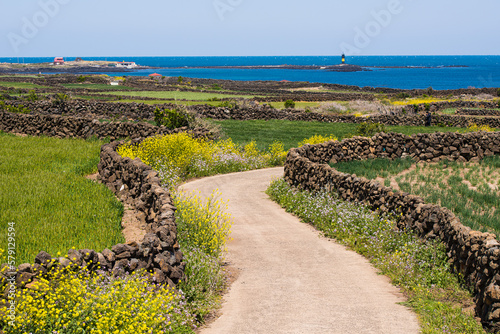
point(470, 190)
point(54, 207)
point(185, 103)
point(193, 96)
point(97, 86)
point(292, 132)
point(26, 85)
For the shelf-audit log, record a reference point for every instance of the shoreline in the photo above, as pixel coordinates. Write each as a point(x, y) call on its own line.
point(107, 66)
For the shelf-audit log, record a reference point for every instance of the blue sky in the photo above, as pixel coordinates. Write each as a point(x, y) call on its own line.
point(30, 28)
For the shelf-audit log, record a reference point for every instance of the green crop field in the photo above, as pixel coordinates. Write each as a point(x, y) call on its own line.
point(470, 190)
point(54, 207)
point(292, 132)
point(26, 85)
point(97, 86)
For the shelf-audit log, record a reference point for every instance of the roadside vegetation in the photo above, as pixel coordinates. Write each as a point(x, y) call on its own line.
point(179, 157)
point(43, 190)
point(420, 269)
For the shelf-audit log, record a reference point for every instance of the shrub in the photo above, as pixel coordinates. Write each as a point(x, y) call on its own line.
point(21, 109)
point(403, 95)
point(277, 153)
point(498, 92)
point(366, 129)
point(216, 87)
point(475, 128)
point(228, 104)
point(180, 79)
point(60, 99)
point(172, 118)
point(317, 139)
point(289, 104)
point(81, 78)
point(32, 96)
point(430, 91)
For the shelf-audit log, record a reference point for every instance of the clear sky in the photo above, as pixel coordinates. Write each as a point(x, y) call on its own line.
point(248, 27)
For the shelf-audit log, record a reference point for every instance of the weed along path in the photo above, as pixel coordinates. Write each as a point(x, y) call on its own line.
point(292, 280)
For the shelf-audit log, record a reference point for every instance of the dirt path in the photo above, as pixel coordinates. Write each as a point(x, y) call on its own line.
point(291, 280)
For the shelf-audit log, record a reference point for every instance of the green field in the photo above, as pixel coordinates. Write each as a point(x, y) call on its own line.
point(97, 86)
point(185, 103)
point(292, 132)
point(470, 190)
point(193, 96)
point(54, 207)
point(26, 85)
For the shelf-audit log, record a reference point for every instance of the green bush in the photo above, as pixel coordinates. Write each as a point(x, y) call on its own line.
point(228, 104)
point(289, 104)
point(21, 109)
point(180, 79)
point(216, 87)
point(366, 129)
point(81, 78)
point(402, 95)
point(60, 99)
point(172, 118)
point(32, 96)
point(498, 93)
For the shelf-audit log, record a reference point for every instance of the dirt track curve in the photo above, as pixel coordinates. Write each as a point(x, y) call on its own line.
point(291, 280)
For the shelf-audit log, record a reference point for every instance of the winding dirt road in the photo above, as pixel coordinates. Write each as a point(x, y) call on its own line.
point(292, 280)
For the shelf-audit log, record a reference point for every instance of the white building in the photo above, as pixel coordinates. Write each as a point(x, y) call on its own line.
point(126, 64)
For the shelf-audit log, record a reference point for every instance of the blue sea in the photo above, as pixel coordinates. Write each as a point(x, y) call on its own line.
point(479, 71)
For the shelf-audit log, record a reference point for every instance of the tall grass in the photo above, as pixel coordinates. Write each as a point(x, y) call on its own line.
point(419, 268)
point(54, 207)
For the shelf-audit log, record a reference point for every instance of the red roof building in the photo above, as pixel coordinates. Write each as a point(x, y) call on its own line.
point(58, 60)
point(155, 75)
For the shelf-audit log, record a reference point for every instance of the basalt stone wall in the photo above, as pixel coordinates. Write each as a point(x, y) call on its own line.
point(80, 127)
point(478, 112)
point(474, 254)
point(134, 111)
point(91, 109)
point(297, 115)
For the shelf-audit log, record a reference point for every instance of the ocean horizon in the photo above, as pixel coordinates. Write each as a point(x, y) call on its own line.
point(403, 72)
